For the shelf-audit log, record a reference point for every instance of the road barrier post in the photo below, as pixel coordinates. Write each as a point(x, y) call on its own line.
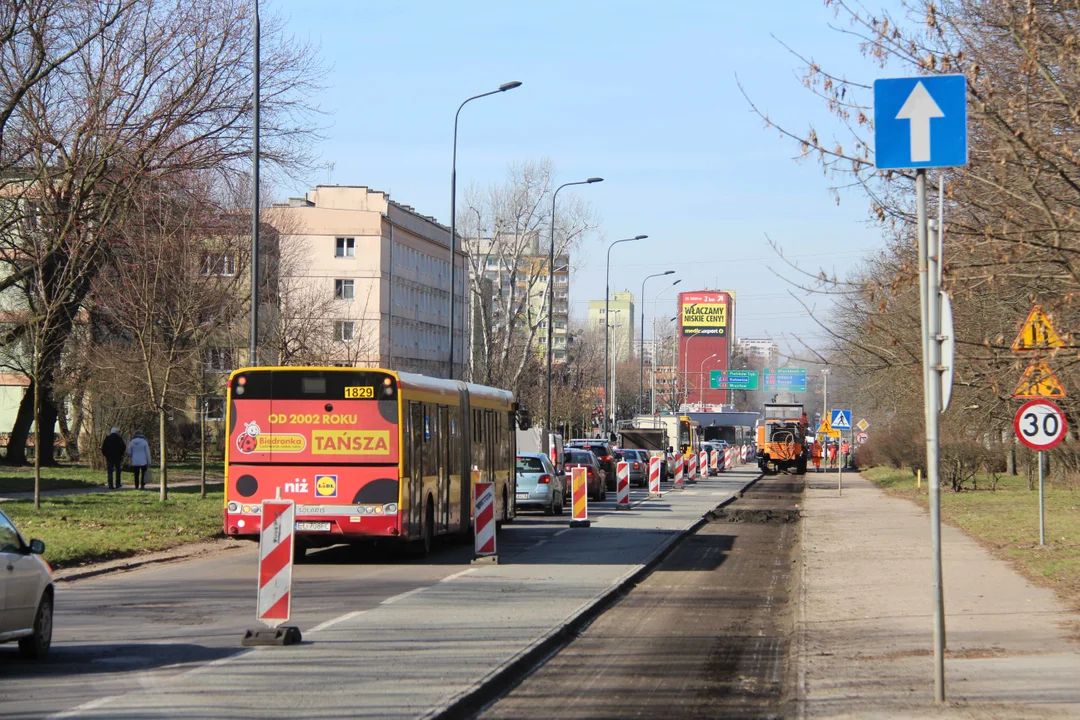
point(484, 523)
point(728, 458)
point(654, 475)
point(691, 468)
point(714, 462)
point(622, 486)
point(580, 516)
point(677, 485)
point(274, 603)
point(703, 463)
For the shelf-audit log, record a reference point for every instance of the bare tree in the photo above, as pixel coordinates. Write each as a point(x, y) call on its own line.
point(161, 88)
point(507, 232)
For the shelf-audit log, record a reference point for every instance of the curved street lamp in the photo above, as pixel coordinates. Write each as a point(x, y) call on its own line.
point(607, 293)
point(551, 300)
point(453, 211)
point(701, 379)
point(652, 406)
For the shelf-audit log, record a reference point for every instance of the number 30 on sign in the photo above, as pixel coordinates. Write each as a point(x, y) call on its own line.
point(1040, 424)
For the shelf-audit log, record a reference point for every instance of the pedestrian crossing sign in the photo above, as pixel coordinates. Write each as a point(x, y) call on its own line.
point(826, 429)
point(841, 420)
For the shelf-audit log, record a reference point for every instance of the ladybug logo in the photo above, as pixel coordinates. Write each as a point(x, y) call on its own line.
point(247, 441)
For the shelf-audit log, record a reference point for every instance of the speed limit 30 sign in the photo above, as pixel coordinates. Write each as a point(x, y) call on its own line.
point(1040, 424)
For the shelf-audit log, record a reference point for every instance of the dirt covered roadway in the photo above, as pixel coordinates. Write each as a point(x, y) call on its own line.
point(707, 634)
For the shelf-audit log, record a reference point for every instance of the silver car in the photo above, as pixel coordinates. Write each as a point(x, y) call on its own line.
point(538, 485)
point(26, 592)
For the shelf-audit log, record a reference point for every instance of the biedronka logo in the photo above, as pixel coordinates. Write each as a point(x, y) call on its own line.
point(253, 440)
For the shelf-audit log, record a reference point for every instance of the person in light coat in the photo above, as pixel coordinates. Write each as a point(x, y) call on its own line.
point(139, 452)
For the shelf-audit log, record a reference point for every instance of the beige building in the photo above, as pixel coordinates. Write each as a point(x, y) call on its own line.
point(369, 279)
point(620, 308)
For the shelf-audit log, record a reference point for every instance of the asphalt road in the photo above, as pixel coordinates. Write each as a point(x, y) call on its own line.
point(128, 632)
point(705, 635)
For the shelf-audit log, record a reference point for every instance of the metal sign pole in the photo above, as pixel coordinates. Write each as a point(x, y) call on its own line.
point(930, 290)
point(1042, 515)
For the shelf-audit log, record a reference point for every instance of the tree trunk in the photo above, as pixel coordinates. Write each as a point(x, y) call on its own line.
point(163, 479)
point(37, 445)
point(20, 430)
point(202, 447)
point(1010, 461)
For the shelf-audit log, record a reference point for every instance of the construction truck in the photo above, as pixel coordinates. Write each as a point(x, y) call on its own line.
point(782, 440)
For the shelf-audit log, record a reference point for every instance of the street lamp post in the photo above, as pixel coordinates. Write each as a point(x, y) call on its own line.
point(607, 293)
point(551, 301)
point(611, 369)
point(453, 212)
point(686, 364)
point(652, 405)
point(701, 379)
point(641, 351)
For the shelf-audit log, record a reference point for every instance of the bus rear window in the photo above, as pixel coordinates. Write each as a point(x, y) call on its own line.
point(313, 385)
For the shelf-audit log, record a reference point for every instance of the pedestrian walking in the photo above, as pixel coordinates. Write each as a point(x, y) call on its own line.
point(139, 451)
point(113, 448)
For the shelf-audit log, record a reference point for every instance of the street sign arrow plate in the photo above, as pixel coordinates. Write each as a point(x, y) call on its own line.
point(920, 122)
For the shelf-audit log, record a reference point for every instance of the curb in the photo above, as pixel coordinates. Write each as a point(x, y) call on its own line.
point(494, 686)
point(135, 563)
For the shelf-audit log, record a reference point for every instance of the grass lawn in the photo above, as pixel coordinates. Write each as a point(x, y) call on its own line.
point(73, 477)
point(102, 526)
point(1006, 521)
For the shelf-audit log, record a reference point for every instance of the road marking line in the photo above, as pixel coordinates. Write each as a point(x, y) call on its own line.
point(80, 709)
point(402, 596)
point(340, 618)
point(564, 530)
point(456, 575)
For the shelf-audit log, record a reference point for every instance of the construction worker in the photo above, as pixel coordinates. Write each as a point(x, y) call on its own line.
point(815, 454)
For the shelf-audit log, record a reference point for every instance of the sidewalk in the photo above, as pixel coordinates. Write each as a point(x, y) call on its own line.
point(865, 634)
point(185, 480)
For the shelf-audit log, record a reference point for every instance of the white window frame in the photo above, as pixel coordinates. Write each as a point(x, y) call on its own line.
point(344, 247)
point(344, 288)
point(344, 331)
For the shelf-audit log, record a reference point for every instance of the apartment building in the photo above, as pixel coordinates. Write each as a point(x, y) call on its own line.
point(762, 348)
point(371, 278)
point(621, 321)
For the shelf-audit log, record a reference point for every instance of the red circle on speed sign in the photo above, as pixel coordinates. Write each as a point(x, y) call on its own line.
point(1040, 424)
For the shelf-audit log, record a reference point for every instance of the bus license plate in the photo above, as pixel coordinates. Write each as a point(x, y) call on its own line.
point(313, 526)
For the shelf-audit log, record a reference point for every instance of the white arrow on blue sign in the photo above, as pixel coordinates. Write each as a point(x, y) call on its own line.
point(841, 420)
point(920, 122)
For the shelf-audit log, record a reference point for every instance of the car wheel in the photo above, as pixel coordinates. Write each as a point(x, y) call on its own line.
point(549, 509)
point(560, 506)
point(36, 646)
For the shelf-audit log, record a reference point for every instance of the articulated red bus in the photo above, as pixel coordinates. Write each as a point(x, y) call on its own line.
point(365, 453)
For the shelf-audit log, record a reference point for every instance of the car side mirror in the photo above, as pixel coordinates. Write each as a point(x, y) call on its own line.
point(37, 547)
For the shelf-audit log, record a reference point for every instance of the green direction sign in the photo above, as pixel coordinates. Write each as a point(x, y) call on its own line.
point(733, 379)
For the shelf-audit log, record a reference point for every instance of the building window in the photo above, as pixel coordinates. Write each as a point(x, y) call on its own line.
point(219, 359)
point(214, 407)
point(219, 264)
point(343, 289)
point(346, 247)
point(343, 330)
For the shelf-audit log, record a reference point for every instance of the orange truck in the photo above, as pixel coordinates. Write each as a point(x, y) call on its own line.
point(782, 440)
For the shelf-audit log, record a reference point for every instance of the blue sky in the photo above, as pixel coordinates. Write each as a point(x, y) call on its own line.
point(643, 94)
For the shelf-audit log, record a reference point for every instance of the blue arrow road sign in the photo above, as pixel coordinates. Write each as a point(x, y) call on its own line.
point(841, 420)
point(920, 122)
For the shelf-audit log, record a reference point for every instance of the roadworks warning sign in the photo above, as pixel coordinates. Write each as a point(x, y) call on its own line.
point(1037, 334)
point(1039, 381)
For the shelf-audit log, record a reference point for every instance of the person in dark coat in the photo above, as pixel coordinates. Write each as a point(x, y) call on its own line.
point(113, 448)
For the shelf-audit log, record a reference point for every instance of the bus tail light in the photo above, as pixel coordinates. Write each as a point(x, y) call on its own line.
point(544, 480)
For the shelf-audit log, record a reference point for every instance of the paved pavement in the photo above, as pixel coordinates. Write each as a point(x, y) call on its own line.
point(383, 637)
point(865, 633)
point(212, 482)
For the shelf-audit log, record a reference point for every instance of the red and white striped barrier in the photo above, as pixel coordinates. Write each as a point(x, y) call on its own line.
point(654, 475)
point(729, 458)
point(745, 453)
point(484, 519)
point(703, 463)
point(678, 472)
point(276, 561)
point(691, 469)
point(580, 498)
point(714, 462)
point(622, 486)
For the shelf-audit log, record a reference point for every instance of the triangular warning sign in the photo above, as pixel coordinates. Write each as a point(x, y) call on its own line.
point(1037, 334)
point(1039, 381)
point(825, 427)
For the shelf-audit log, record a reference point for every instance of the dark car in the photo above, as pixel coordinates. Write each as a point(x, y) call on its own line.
point(605, 455)
point(594, 480)
point(638, 460)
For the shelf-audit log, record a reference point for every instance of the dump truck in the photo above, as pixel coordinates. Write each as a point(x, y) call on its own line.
point(782, 441)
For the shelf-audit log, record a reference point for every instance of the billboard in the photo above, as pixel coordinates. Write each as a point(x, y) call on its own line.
point(703, 313)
